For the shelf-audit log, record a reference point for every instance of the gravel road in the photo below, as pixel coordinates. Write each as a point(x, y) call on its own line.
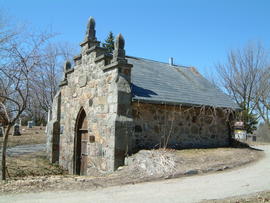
point(25, 149)
point(241, 181)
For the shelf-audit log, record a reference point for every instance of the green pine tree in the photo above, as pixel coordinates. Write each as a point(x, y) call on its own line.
point(250, 119)
point(109, 43)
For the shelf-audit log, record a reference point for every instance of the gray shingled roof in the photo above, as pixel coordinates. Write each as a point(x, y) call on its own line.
point(157, 82)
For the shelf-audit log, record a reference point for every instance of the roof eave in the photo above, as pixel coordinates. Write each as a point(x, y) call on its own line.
point(180, 103)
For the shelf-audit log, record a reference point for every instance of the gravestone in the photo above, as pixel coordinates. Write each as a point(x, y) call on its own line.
point(1, 131)
point(16, 130)
point(30, 124)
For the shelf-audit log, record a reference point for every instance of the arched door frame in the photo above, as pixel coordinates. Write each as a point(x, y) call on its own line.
point(81, 118)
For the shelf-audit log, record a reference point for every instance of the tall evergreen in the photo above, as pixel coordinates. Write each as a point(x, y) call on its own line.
point(250, 119)
point(109, 42)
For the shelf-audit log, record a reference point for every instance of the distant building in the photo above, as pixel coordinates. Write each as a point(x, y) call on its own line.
point(240, 134)
point(110, 105)
point(239, 131)
point(252, 137)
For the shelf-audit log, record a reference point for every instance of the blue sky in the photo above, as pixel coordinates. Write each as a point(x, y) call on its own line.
point(196, 33)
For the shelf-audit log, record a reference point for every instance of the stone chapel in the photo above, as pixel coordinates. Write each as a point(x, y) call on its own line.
point(110, 105)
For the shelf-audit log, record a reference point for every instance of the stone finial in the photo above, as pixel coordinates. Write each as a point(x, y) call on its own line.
point(91, 32)
point(119, 42)
point(91, 23)
point(67, 70)
point(67, 66)
point(119, 51)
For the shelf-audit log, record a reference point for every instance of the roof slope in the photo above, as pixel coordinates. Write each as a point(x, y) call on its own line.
point(157, 82)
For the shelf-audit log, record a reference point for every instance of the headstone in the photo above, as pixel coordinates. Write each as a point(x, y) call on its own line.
point(49, 118)
point(16, 130)
point(30, 124)
point(1, 131)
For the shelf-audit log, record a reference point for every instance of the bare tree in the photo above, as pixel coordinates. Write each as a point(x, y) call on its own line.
point(263, 96)
point(20, 55)
point(34, 111)
point(46, 85)
point(240, 77)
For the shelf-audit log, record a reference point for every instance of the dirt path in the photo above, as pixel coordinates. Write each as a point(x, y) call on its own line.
point(24, 149)
point(246, 180)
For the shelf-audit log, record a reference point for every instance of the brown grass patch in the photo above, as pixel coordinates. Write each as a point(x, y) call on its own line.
point(254, 198)
point(35, 135)
point(33, 164)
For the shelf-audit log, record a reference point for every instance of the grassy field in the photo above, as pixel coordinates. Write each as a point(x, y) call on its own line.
point(35, 135)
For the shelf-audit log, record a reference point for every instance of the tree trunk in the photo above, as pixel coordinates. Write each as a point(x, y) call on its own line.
point(4, 150)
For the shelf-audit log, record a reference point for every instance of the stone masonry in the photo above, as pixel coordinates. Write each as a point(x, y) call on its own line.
point(93, 114)
point(177, 126)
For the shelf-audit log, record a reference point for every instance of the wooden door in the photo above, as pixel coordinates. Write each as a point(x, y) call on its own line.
point(84, 153)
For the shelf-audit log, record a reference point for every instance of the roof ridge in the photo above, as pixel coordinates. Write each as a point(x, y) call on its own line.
point(175, 65)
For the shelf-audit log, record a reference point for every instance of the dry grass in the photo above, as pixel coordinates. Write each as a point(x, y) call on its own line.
point(33, 164)
point(35, 135)
point(254, 198)
point(199, 152)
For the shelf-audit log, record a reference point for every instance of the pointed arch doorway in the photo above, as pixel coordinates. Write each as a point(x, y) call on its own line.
point(80, 144)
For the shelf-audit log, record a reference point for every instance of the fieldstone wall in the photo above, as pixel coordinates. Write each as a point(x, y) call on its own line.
point(95, 91)
point(178, 126)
